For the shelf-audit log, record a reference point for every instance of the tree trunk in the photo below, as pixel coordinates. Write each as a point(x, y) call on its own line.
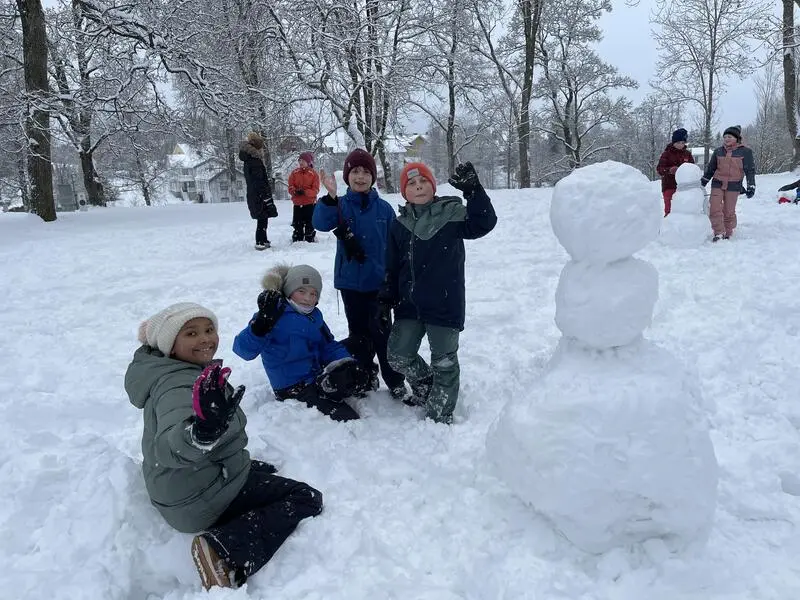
point(143, 184)
point(380, 150)
point(37, 124)
point(531, 17)
point(22, 179)
point(94, 187)
point(790, 80)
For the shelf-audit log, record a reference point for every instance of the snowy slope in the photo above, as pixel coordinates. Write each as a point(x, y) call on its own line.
point(413, 510)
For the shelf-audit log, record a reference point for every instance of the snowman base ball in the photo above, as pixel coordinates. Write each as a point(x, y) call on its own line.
point(612, 447)
point(685, 231)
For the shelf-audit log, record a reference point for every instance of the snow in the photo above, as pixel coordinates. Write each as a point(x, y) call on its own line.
point(606, 306)
point(413, 510)
point(629, 465)
point(606, 212)
point(687, 225)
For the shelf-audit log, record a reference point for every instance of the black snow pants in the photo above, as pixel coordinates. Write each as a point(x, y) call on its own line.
point(264, 513)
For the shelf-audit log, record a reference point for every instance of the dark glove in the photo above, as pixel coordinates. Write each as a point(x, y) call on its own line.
point(751, 191)
point(383, 318)
point(214, 406)
point(327, 200)
point(673, 170)
point(299, 193)
point(271, 209)
point(264, 467)
point(786, 188)
point(270, 309)
point(352, 247)
point(344, 378)
point(465, 178)
point(704, 181)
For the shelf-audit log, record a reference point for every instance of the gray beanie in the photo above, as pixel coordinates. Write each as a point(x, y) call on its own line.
point(160, 330)
point(299, 276)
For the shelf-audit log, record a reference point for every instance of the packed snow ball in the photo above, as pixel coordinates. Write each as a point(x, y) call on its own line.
point(688, 175)
point(606, 306)
point(613, 448)
point(605, 212)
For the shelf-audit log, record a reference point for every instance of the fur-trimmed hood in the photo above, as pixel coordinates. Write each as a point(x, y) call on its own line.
point(247, 150)
point(275, 277)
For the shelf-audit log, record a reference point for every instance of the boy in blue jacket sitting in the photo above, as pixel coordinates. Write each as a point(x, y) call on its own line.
point(425, 281)
point(302, 359)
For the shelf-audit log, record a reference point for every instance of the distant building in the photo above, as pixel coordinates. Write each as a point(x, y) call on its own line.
point(195, 176)
point(699, 156)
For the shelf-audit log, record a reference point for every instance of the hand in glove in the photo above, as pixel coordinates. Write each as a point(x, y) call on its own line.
point(383, 318)
point(214, 406)
point(751, 191)
point(299, 193)
point(352, 247)
point(673, 170)
point(270, 309)
point(787, 187)
point(465, 178)
point(704, 181)
point(344, 377)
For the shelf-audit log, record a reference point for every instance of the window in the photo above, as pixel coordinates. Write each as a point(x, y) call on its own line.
point(224, 186)
point(186, 171)
point(238, 184)
point(224, 199)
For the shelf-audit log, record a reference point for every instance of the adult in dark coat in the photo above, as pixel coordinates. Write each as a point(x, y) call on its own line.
point(259, 192)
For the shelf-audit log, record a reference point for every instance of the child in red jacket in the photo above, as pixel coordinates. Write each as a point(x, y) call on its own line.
point(304, 188)
point(674, 155)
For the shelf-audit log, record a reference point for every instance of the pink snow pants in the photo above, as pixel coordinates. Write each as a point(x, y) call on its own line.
point(722, 212)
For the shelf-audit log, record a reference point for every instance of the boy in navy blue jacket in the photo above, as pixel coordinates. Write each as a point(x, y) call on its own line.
point(302, 359)
point(360, 220)
point(425, 281)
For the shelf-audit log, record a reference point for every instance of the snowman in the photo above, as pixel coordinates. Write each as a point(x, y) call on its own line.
point(687, 225)
point(611, 445)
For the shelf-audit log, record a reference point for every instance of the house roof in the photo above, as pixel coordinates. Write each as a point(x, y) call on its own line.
point(340, 143)
point(184, 155)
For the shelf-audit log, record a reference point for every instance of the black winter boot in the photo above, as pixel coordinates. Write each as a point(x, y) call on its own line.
point(420, 392)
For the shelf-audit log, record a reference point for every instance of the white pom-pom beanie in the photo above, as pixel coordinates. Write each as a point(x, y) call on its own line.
point(160, 330)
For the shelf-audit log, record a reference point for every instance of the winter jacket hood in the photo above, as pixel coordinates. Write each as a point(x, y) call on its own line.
point(247, 150)
point(191, 486)
point(425, 220)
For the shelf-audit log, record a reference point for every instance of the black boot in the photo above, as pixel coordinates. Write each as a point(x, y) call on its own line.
point(420, 392)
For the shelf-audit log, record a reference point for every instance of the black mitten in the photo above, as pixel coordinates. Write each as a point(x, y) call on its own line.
point(352, 247)
point(704, 181)
point(213, 404)
point(299, 193)
point(751, 191)
point(465, 178)
point(383, 318)
point(270, 309)
point(343, 378)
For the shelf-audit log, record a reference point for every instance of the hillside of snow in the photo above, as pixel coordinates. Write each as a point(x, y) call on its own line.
point(413, 510)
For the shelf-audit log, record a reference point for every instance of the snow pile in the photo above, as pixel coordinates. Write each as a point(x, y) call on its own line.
point(687, 225)
point(613, 447)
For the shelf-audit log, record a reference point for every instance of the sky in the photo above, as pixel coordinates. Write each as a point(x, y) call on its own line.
point(628, 44)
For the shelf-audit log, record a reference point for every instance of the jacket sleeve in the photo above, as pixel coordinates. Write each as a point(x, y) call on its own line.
point(292, 183)
point(173, 447)
point(332, 350)
point(711, 167)
point(790, 186)
point(663, 164)
point(247, 345)
point(325, 218)
point(389, 292)
point(749, 166)
point(481, 217)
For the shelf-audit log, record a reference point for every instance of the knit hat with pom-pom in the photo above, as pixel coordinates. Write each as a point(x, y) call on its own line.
point(160, 330)
point(735, 131)
point(287, 280)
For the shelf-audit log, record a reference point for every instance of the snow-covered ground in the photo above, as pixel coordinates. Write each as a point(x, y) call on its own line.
point(413, 510)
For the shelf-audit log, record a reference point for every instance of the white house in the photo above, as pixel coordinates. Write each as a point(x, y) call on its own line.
point(196, 176)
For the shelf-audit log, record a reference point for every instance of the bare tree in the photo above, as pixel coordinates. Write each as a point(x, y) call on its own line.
point(575, 84)
point(789, 48)
point(701, 42)
point(37, 125)
point(768, 135)
point(514, 57)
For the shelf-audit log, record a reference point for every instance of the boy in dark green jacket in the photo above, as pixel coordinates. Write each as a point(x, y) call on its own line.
point(196, 466)
point(425, 281)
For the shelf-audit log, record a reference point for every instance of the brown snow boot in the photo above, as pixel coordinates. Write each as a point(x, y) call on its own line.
point(212, 569)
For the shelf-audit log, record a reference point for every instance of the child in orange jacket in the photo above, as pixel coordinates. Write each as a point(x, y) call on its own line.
point(304, 188)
